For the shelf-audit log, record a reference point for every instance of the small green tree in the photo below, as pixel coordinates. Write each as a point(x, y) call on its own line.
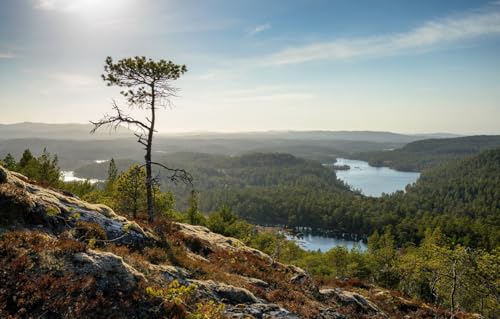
point(129, 192)
point(221, 220)
point(25, 159)
point(164, 201)
point(193, 215)
point(112, 175)
point(382, 251)
point(339, 259)
point(9, 162)
point(130, 196)
point(49, 171)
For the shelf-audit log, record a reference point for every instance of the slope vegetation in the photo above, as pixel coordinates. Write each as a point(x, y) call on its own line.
point(61, 257)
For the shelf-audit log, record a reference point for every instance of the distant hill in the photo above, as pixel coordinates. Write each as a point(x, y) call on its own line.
point(76, 147)
point(76, 131)
point(70, 131)
point(424, 154)
point(365, 136)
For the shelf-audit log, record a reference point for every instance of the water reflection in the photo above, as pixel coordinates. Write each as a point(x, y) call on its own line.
point(373, 181)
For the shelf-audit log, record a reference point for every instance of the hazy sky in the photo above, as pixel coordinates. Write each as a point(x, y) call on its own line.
point(405, 66)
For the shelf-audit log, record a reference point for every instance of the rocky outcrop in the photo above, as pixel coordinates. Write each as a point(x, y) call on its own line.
point(203, 239)
point(29, 205)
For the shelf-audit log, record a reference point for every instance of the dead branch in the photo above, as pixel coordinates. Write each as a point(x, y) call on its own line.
point(115, 121)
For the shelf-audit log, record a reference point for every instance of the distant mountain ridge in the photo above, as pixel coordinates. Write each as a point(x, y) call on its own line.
point(57, 131)
point(365, 136)
point(428, 153)
point(78, 131)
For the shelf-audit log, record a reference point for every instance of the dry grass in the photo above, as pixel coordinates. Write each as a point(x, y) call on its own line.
point(31, 287)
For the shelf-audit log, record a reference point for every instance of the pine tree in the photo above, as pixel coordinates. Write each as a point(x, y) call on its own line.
point(112, 175)
point(25, 159)
point(192, 213)
point(9, 162)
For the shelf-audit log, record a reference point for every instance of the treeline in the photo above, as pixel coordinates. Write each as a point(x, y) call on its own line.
point(43, 168)
point(420, 155)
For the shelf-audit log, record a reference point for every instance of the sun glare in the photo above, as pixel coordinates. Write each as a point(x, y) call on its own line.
point(89, 8)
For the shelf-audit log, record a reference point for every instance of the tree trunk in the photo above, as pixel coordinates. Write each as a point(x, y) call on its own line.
point(453, 289)
point(149, 176)
point(149, 185)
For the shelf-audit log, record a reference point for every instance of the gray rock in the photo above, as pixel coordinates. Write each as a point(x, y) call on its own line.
point(330, 314)
point(258, 311)
point(3, 175)
point(350, 298)
point(255, 281)
point(110, 270)
point(226, 293)
point(306, 283)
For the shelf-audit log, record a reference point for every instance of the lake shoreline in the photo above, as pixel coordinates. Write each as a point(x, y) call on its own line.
point(314, 239)
point(373, 181)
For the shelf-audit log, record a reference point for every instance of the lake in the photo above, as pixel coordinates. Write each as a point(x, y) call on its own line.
point(69, 176)
point(373, 181)
point(317, 242)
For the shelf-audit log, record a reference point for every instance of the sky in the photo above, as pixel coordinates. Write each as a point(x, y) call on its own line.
point(385, 65)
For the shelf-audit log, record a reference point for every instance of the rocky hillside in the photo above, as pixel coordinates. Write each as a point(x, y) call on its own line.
point(61, 257)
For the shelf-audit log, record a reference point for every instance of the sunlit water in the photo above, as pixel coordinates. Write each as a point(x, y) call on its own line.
point(316, 242)
point(69, 176)
point(373, 181)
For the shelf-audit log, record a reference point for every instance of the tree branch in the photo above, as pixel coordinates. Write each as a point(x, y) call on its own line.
point(178, 174)
point(115, 121)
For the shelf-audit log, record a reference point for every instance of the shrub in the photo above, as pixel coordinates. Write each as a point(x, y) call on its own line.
point(89, 230)
point(155, 255)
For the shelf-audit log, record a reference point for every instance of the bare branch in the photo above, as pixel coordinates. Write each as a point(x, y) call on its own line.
point(115, 121)
point(177, 174)
point(141, 139)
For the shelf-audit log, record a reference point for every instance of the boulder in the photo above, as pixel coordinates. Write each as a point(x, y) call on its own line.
point(306, 283)
point(3, 175)
point(225, 293)
point(212, 241)
point(258, 311)
point(255, 281)
point(345, 297)
point(110, 270)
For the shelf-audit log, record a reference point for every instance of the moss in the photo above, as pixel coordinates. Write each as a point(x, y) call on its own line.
point(52, 211)
point(89, 230)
